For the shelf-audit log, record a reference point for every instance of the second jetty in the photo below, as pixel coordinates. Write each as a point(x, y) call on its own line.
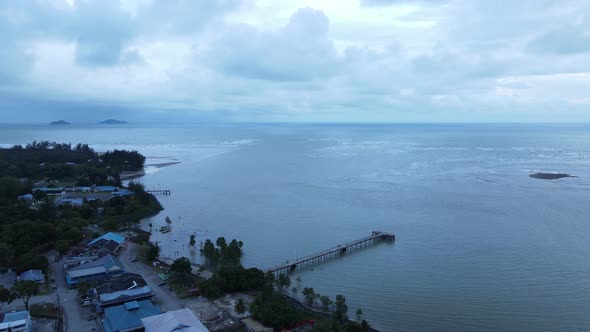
point(376, 236)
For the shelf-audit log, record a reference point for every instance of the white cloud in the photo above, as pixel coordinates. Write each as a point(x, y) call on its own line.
point(369, 60)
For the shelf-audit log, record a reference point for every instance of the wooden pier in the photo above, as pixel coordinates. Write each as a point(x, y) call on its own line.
point(375, 237)
point(159, 192)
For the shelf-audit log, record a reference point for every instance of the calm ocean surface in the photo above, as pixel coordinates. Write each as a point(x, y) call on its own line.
point(480, 245)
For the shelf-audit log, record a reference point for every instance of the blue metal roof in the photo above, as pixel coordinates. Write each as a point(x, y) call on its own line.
point(34, 275)
point(15, 316)
point(128, 316)
point(109, 236)
point(105, 188)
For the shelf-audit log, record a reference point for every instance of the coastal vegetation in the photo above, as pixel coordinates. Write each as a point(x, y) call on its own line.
point(6, 296)
point(24, 290)
point(221, 253)
point(271, 305)
point(66, 164)
point(273, 308)
point(33, 222)
point(229, 275)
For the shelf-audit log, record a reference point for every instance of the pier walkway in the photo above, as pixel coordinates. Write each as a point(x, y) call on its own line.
point(376, 236)
point(159, 191)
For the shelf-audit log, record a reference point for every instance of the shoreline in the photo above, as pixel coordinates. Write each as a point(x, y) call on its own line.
point(126, 176)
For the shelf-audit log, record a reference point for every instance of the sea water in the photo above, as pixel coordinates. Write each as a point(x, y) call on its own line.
point(479, 245)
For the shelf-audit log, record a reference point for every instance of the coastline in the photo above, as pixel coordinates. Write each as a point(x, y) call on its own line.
point(126, 176)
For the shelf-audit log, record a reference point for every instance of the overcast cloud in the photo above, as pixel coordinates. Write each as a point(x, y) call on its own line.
point(283, 60)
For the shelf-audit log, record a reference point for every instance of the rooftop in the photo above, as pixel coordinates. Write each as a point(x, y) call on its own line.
point(183, 320)
point(128, 294)
point(15, 316)
point(106, 264)
point(121, 282)
point(108, 237)
point(14, 320)
point(128, 316)
point(33, 275)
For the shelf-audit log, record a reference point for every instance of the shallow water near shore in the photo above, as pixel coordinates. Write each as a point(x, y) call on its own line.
point(480, 244)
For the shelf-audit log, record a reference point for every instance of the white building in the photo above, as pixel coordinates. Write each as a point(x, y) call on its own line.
point(183, 320)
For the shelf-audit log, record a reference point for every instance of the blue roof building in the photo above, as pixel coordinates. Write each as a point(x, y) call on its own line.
point(127, 317)
point(18, 321)
point(107, 265)
point(110, 236)
point(79, 201)
point(105, 188)
point(32, 275)
point(122, 192)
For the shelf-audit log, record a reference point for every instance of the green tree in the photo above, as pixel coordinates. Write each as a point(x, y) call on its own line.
point(221, 243)
point(181, 265)
point(326, 302)
point(210, 252)
point(365, 326)
point(341, 307)
point(6, 254)
point(25, 289)
point(153, 253)
point(359, 314)
point(294, 291)
point(141, 238)
point(309, 295)
point(6, 296)
point(83, 288)
point(232, 253)
point(240, 308)
point(181, 270)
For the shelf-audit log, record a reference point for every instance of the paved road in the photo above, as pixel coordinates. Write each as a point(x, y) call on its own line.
point(68, 299)
point(163, 296)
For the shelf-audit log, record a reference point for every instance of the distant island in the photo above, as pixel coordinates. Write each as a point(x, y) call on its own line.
point(59, 123)
point(113, 121)
point(551, 176)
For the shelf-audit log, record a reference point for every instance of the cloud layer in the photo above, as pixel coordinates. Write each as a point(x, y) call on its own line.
point(351, 60)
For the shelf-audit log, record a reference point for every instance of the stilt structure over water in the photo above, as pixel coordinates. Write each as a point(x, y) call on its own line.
point(375, 237)
point(159, 192)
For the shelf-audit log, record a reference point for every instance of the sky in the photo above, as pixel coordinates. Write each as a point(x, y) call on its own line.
point(299, 61)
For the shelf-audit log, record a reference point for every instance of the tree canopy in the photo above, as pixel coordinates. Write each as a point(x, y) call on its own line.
point(24, 290)
point(222, 254)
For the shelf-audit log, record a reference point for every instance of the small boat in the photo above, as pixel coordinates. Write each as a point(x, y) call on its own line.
point(164, 229)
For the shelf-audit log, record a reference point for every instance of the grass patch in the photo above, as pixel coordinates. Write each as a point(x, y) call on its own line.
point(43, 310)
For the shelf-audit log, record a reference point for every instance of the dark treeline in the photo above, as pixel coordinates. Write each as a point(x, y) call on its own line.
point(52, 160)
point(30, 227)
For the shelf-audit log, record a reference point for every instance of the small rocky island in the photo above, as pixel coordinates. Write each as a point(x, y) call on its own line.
point(550, 176)
point(59, 123)
point(112, 121)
